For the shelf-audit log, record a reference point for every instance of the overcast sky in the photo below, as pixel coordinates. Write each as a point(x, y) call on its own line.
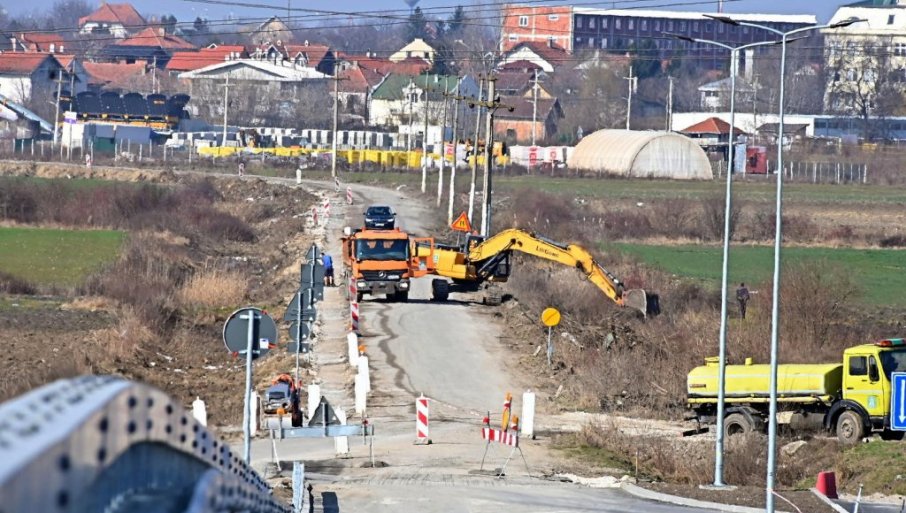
point(186, 10)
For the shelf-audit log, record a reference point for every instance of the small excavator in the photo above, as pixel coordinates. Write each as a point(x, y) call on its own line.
point(488, 260)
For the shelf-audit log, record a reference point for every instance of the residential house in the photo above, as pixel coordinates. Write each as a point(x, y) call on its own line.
point(355, 88)
point(713, 135)
point(181, 62)
point(37, 42)
point(151, 45)
point(319, 57)
point(536, 23)
point(117, 76)
point(716, 95)
point(530, 120)
point(75, 70)
point(417, 49)
point(519, 83)
point(384, 66)
point(405, 99)
point(273, 29)
point(119, 20)
point(866, 62)
point(29, 76)
point(547, 55)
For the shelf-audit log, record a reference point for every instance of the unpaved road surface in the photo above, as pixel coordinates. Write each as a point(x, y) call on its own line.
point(451, 352)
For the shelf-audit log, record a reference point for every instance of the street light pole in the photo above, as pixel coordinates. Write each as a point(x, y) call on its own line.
point(775, 312)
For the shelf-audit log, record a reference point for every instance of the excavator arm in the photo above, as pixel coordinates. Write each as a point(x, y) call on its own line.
point(568, 255)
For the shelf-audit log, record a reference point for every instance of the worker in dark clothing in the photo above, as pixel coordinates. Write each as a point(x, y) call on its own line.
point(742, 297)
point(328, 269)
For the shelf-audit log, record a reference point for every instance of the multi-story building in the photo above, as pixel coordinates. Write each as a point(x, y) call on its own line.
point(865, 62)
point(651, 31)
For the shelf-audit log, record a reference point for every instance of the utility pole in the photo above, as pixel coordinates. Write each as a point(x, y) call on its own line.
point(56, 118)
point(336, 117)
point(153, 74)
point(409, 135)
point(443, 145)
point(226, 104)
point(534, 107)
point(456, 99)
point(425, 142)
point(632, 84)
point(475, 148)
point(492, 105)
point(670, 105)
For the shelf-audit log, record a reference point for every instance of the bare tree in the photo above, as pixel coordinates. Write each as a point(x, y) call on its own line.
point(65, 14)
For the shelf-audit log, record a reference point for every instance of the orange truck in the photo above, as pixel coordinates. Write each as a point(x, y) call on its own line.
point(384, 261)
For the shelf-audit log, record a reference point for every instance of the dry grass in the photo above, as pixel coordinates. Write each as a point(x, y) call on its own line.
point(213, 288)
point(126, 338)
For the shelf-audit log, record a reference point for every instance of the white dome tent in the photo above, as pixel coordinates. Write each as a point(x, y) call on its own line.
point(641, 154)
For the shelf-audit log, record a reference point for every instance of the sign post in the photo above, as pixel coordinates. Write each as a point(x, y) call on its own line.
point(550, 317)
point(252, 332)
point(898, 401)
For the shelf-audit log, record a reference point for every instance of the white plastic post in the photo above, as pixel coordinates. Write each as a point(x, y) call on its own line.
point(341, 443)
point(528, 413)
point(314, 399)
point(361, 395)
point(256, 400)
point(352, 341)
point(199, 411)
point(363, 371)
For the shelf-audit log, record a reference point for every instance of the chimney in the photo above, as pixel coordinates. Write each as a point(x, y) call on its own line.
point(550, 42)
point(12, 41)
point(306, 42)
point(162, 32)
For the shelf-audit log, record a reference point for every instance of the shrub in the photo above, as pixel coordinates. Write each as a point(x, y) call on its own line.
point(15, 285)
point(213, 288)
point(713, 217)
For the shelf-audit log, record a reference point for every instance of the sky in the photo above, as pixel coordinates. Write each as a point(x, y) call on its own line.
point(187, 10)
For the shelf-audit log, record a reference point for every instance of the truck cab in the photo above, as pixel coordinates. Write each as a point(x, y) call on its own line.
point(384, 261)
point(867, 388)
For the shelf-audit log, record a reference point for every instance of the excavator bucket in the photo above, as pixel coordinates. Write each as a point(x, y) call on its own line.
point(638, 299)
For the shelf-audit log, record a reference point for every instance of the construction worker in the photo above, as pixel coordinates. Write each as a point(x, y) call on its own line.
point(328, 269)
point(742, 297)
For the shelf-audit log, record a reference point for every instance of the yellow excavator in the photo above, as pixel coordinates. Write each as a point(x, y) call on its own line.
point(481, 260)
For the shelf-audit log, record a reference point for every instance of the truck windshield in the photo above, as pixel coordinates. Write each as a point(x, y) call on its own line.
point(893, 361)
point(396, 249)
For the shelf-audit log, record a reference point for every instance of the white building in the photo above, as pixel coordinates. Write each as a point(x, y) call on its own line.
point(417, 49)
point(400, 99)
point(24, 75)
point(118, 20)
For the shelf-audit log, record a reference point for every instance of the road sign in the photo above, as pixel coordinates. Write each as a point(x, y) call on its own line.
point(309, 311)
point(550, 317)
point(462, 224)
point(324, 415)
point(292, 347)
point(898, 401)
point(236, 332)
point(293, 332)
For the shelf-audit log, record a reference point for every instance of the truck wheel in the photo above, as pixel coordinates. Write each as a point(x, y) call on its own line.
point(737, 424)
point(359, 296)
point(850, 428)
point(893, 436)
point(440, 290)
point(402, 296)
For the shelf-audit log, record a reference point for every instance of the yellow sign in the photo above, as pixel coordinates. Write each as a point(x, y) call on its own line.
point(550, 317)
point(462, 224)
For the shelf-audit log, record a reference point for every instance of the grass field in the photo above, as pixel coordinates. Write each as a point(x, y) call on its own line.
point(56, 257)
point(881, 272)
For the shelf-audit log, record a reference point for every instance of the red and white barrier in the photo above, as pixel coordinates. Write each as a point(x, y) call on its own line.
point(422, 413)
point(498, 435)
point(349, 195)
point(354, 315)
point(314, 215)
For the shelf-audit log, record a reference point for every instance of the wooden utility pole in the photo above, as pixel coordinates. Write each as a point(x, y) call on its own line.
point(670, 105)
point(443, 145)
point(336, 118)
point(477, 106)
point(425, 142)
point(56, 117)
point(492, 104)
point(411, 114)
point(534, 107)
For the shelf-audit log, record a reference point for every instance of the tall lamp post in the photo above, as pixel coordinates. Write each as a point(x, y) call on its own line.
point(775, 311)
point(724, 289)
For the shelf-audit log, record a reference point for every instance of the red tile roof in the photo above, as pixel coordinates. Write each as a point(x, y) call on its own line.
point(551, 53)
point(410, 66)
point(523, 108)
point(38, 42)
point(22, 63)
point(65, 60)
point(104, 73)
point(189, 61)
point(156, 37)
point(124, 14)
point(714, 126)
point(520, 66)
point(314, 54)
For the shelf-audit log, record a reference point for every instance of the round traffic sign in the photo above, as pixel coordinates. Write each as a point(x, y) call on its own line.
point(550, 317)
point(236, 331)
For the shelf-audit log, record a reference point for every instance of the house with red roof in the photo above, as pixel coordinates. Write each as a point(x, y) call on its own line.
point(190, 61)
point(516, 126)
point(546, 55)
point(712, 134)
point(319, 57)
point(36, 42)
point(116, 76)
point(355, 88)
point(27, 75)
point(119, 20)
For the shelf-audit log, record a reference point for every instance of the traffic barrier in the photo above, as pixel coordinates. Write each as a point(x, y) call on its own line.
point(364, 372)
point(500, 436)
point(528, 414)
point(341, 443)
point(354, 314)
point(352, 347)
point(826, 484)
point(421, 421)
point(361, 395)
point(314, 399)
point(349, 195)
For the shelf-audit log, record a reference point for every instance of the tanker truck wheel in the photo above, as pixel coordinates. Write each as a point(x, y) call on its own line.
point(737, 425)
point(850, 428)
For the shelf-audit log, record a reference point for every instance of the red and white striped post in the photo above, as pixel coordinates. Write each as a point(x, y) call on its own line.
point(354, 315)
point(349, 195)
point(314, 215)
point(422, 413)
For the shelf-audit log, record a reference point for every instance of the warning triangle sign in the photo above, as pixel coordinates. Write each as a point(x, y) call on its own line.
point(462, 224)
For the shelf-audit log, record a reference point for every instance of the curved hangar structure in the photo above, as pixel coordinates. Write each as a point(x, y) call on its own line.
point(641, 154)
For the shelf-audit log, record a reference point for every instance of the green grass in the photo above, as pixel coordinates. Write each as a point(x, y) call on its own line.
point(881, 272)
point(56, 257)
point(878, 465)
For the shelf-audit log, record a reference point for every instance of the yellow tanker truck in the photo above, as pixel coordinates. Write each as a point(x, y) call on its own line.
point(851, 398)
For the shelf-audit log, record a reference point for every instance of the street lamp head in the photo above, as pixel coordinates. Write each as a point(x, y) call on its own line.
point(679, 36)
point(845, 23)
point(723, 19)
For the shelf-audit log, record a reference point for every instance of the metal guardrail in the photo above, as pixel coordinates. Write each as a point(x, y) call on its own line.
point(105, 444)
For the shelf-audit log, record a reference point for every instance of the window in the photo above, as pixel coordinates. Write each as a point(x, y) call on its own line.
point(578, 41)
point(618, 24)
point(696, 26)
point(720, 28)
point(591, 23)
point(513, 37)
point(630, 24)
point(579, 21)
point(643, 25)
point(900, 50)
point(553, 17)
point(604, 42)
point(682, 26)
point(709, 27)
point(745, 30)
point(669, 25)
point(631, 42)
point(591, 42)
point(603, 23)
point(523, 21)
point(890, 19)
point(858, 366)
point(657, 25)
